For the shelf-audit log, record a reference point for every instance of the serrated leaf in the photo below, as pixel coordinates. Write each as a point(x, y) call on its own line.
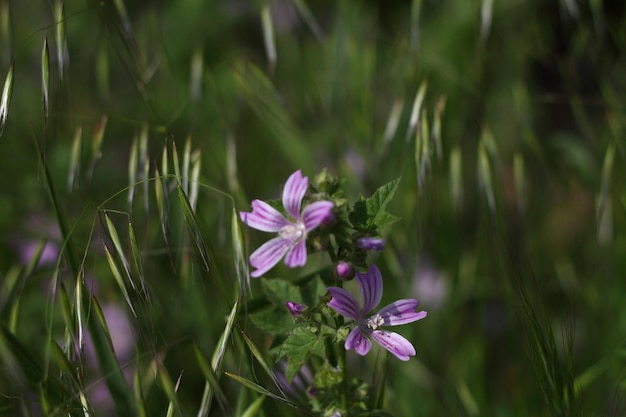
point(377, 203)
point(299, 346)
point(370, 214)
point(278, 291)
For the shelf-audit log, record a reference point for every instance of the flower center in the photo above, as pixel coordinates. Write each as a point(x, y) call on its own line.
point(292, 231)
point(375, 321)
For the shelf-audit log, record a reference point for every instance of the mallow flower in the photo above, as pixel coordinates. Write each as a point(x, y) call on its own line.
point(292, 232)
point(367, 324)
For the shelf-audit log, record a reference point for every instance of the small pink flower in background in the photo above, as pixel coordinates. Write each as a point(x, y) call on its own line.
point(398, 312)
point(430, 284)
point(37, 228)
point(291, 240)
point(49, 252)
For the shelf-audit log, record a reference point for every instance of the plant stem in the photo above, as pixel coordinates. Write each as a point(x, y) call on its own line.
point(344, 378)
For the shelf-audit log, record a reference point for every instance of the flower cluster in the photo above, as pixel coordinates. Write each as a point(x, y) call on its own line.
point(305, 211)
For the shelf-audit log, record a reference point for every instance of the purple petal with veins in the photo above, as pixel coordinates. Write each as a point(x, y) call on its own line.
point(296, 256)
point(344, 303)
point(394, 343)
point(263, 217)
point(371, 284)
point(401, 312)
point(293, 193)
point(358, 341)
point(268, 255)
point(316, 213)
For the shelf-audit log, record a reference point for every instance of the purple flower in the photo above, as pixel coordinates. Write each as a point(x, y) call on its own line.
point(295, 309)
point(398, 312)
point(371, 243)
point(292, 233)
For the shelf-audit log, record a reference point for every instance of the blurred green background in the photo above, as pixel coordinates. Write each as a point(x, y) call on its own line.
point(505, 120)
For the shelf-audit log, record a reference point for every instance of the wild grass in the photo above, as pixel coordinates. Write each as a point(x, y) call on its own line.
point(133, 133)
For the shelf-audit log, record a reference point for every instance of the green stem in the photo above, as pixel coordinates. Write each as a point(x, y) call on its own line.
point(344, 378)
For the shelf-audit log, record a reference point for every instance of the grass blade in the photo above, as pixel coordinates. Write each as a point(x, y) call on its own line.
point(45, 79)
point(241, 262)
point(109, 366)
point(136, 256)
point(439, 108)
point(96, 146)
point(263, 391)
point(259, 357)
point(268, 34)
point(117, 244)
point(170, 390)
point(118, 278)
point(133, 173)
point(216, 361)
point(194, 179)
point(24, 368)
point(75, 158)
point(416, 110)
point(68, 370)
point(186, 164)
point(161, 203)
point(212, 387)
point(144, 165)
point(7, 91)
point(393, 120)
point(193, 227)
point(60, 40)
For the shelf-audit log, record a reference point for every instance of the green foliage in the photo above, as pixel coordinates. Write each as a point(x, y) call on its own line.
point(301, 343)
point(368, 215)
point(505, 121)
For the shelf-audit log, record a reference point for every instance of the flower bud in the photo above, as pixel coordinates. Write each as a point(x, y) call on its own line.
point(295, 309)
point(343, 270)
point(371, 243)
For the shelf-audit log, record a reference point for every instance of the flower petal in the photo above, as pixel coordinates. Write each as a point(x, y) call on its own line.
point(394, 343)
point(315, 213)
point(296, 256)
point(358, 341)
point(268, 255)
point(263, 217)
point(371, 284)
point(401, 312)
point(293, 193)
point(344, 303)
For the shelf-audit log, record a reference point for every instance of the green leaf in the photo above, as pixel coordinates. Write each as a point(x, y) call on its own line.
point(358, 215)
point(370, 214)
point(277, 321)
point(377, 203)
point(279, 291)
point(301, 343)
